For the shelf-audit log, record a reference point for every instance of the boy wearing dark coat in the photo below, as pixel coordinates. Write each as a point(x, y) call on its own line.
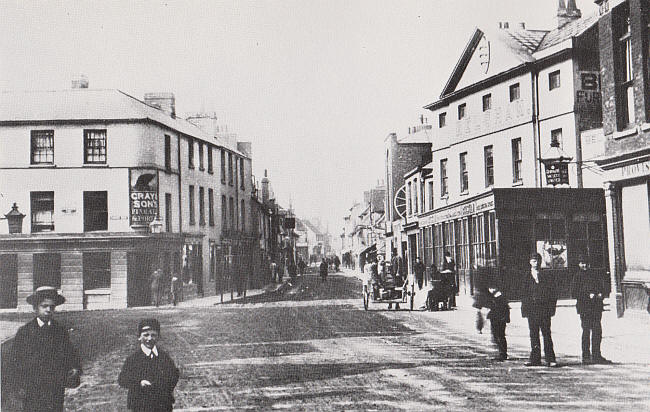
point(589, 290)
point(44, 358)
point(149, 374)
point(490, 296)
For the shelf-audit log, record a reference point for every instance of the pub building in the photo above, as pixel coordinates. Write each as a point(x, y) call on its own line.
point(501, 228)
point(111, 188)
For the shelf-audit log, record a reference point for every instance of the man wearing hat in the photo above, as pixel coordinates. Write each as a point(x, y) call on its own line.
point(149, 374)
point(44, 358)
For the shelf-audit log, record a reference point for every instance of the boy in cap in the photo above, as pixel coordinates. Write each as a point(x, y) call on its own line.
point(490, 296)
point(149, 374)
point(44, 358)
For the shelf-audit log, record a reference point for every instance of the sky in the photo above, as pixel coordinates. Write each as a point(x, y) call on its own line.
point(315, 85)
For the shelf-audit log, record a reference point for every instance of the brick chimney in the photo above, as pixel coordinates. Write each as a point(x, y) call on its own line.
point(567, 13)
point(80, 81)
point(163, 101)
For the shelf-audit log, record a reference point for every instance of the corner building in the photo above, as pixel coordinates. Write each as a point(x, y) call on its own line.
point(113, 187)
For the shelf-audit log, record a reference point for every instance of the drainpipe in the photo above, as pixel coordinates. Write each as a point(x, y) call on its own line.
point(534, 84)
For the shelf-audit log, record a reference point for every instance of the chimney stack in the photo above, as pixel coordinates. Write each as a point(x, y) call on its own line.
point(567, 13)
point(80, 82)
point(265, 187)
point(522, 25)
point(163, 101)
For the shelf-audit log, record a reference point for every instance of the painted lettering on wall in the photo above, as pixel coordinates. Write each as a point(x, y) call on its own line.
point(636, 169)
point(143, 196)
point(458, 211)
point(587, 100)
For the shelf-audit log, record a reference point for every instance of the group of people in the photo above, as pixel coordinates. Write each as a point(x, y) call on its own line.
point(46, 362)
point(538, 303)
point(158, 284)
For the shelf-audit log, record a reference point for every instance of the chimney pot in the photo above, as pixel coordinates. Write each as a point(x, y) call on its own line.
point(506, 25)
point(522, 25)
point(80, 82)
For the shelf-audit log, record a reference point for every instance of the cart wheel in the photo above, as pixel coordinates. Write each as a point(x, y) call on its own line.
point(366, 298)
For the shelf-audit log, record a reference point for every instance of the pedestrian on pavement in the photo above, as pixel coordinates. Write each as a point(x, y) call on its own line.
point(589, 289)
point(44, 359)
point(301, 267)
point(337, 262)
point(149, 374)
point(176, 289)
point(418, 269)
point(491, 296)
point(538, 301)
point(449, 275)
point(274, 271)
point(156, 284)
point(323, 270)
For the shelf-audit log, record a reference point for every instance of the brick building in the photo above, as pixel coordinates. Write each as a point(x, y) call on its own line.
point(113, 187)
point(624, 40)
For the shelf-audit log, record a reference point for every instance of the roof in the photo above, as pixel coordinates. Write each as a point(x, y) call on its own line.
point(569, 30)
point(92, 105)
point(421, 136)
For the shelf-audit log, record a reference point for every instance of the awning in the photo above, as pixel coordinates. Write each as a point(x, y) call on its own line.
point(370, 249)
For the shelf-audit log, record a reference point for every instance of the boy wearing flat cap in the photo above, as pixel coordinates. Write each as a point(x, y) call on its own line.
point(149, 374)
point(44, 358)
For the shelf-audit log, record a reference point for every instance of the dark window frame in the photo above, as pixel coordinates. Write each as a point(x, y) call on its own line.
point(95, 141)
point(514, 92)
point(231, 177)
point(442, 120)
point(210, 207)
point(190, 153)
point(168, 152)
point(462, 111)
point(554, 80)
point(444, 178)
point(46, 203)
point(96, 268)
point(464, 174)
point(191, 205)
point(210, 163)
point(242, 174)
point(201, 206)
point(201, 162)
point(516, 160)
point(488, 161)
point(223, 166)
point(487, 102)
point(42, 147)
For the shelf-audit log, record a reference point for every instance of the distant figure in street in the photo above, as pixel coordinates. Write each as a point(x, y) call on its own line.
point(149, 374)
point(538, 301)
point(491, 296)
point(274, 271)
point(323, 270)
point(337, 262)
point(293, 270)
point(449, 277)
point(176, 289)
point(418, 269)
point(589, 290)
point(44, 359)
point(301, 266)
point(156, 284)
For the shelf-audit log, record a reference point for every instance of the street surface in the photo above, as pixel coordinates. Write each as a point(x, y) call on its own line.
point(311, 346)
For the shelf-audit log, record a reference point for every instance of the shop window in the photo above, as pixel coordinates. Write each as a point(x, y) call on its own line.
point(95, 211)
point(211, 207)
point(448, 233)
point(462, 243)
point(168, 152)
point(477, 247)
point(96, 270)
point(491, 238)
point(47, 270)
point(201, 206)
point(42, 207)
point(514, 92)
point(95, 146)
point(439, 245)
point(586, 234)
point(42, 143)
point(190, 153)
point(516, 160)
point(488, 159)
point(192, 211)
point(442, 120)
point(554, 80)
point(551, 240)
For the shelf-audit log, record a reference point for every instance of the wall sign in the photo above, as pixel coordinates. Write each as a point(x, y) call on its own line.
point(467, 209)
point(557, 173)
point(143, 196)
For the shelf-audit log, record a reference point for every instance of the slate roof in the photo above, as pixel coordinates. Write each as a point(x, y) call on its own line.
point(571, 29)
point(92, 105)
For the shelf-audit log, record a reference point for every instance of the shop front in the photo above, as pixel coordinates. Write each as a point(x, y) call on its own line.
point(501, 228)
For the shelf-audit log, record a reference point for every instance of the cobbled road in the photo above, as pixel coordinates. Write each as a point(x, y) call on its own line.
point(312, 347)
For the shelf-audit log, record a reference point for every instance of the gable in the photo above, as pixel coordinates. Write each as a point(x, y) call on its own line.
point(489, 53)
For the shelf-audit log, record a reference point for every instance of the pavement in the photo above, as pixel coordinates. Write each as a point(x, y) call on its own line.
point(625, 340)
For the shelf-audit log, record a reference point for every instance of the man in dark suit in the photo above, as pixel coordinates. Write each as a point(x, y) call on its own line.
point(589, 290)
point(449, 276)
point(44, 358)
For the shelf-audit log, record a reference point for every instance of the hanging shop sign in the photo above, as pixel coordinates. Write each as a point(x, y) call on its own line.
point(143, 196)
point(557, 173)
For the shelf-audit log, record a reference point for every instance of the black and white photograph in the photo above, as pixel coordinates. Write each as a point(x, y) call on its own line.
point(324, 205)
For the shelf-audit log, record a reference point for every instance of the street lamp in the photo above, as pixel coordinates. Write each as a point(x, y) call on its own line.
point(156, 225)
point(14, 220)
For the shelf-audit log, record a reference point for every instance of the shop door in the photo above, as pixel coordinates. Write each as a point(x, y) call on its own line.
point(9, 282)
point(138, 270)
